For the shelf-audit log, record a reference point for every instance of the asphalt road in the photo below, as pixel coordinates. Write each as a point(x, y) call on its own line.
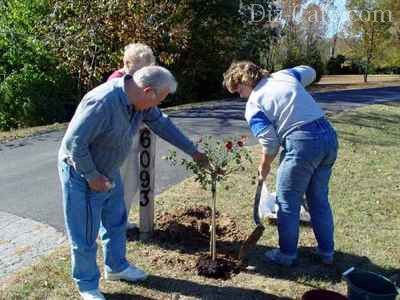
point(28, 175)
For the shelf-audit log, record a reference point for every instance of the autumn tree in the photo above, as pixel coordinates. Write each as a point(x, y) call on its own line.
point(89, 35)
point(389, 60)
point(369, 28)
point(195, 39)
point(394, 7)
point(303, 29)
point(260, 32)
point(293, 52)
point(314, 25)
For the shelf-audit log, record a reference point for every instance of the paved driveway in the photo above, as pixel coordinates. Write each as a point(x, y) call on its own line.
point(28, 176)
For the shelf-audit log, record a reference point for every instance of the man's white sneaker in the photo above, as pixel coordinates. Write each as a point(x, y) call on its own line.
point(131, 273)
point(92, 295)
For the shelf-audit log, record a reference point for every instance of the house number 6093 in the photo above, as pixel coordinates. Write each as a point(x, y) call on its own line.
point(145, 163)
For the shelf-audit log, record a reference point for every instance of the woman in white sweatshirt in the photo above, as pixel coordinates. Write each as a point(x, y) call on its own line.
point(281, 113)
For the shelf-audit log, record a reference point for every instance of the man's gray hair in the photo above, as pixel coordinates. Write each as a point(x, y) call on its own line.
point(157, 77)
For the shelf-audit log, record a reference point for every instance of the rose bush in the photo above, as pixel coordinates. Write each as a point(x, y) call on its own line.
point(225, 157)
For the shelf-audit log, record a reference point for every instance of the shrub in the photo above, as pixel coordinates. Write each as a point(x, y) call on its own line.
point(196, 40)
point(32, 97)
point(334, 65)
point(33, 89)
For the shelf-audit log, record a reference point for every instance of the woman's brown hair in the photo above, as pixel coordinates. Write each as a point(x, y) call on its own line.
point(243, 72)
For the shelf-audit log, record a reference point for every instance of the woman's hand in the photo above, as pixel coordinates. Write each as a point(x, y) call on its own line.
point(265, 165)
point(263, 170)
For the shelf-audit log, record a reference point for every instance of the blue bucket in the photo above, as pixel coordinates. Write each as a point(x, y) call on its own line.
point(362, 285)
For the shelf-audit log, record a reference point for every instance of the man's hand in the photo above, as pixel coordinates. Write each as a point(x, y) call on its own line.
point(100, 184)
point(201, 159)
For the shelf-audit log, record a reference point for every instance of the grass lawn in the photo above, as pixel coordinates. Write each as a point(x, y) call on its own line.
point(365, 195)
point(331, 83)
point(7, 136)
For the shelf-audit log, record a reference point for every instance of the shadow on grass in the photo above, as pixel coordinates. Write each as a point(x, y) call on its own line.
point(227, 112)
point(380, 122)
point(120, 296)
point(362, 95)
point(308, 269)
point(192, 289)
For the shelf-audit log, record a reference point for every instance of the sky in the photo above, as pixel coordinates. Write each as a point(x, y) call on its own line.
point(340, 13)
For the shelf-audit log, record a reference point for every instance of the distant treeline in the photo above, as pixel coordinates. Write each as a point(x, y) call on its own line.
point(53, 51)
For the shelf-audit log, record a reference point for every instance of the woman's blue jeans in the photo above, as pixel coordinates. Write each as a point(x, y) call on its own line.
point(308, 155)
point(86, 213)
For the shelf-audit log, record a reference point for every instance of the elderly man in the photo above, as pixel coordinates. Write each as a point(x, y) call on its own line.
point(95, 145)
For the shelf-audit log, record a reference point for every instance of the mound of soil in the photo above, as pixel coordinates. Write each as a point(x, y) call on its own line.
point(221, 268)
point(188, 230)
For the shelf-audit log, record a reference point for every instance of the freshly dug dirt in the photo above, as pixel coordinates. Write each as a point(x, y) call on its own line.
point(188, 230)
point(221, 268)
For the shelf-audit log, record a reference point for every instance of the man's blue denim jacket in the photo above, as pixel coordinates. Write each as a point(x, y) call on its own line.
point(100, 133)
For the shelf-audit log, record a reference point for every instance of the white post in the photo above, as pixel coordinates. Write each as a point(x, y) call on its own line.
point(147, 147)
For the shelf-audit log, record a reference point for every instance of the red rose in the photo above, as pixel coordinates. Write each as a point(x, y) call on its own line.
point(240, 143)
point(229, 146)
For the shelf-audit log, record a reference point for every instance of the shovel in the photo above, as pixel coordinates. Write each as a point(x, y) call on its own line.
point(253, 238)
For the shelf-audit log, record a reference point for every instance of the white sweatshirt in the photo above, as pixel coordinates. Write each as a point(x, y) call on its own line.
point(279, 104)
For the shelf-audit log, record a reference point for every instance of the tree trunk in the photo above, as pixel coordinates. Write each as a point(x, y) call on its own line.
point(366, 74)
point(213, 248)
point(370, 53)
point(333, 51)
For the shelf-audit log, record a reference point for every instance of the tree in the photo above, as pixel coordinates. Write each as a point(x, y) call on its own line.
point(260, 32)
point(313, 22)
point(88, 36)
point(291, 29)
point(33, 90)
point(224, 158)
point(369, 30)
point(315, 26)
point(334, 65)
point(195, 39)
point(394, 7)
point(389, 59)
point(303, 30)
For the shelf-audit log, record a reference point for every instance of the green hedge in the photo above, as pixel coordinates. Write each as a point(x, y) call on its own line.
point(32, 97)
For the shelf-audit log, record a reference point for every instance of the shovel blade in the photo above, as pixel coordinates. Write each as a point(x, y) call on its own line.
point(251, 241)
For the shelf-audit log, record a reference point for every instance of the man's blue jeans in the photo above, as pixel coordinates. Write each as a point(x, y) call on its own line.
point(308, 155)
point(86, 212)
